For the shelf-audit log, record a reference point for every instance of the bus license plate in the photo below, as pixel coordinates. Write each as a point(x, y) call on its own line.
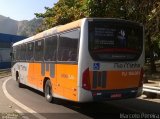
point(117, 95)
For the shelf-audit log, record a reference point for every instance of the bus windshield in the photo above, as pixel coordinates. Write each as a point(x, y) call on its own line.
point(115, 40)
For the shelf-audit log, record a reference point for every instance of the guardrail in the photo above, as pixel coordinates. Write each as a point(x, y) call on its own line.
point(151, 89)
point(5, 72)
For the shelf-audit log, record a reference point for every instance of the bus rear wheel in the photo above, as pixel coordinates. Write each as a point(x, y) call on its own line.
point(48, 91)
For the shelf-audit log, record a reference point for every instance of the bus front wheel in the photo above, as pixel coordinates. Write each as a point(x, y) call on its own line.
point(20, 85)
point(48, 91)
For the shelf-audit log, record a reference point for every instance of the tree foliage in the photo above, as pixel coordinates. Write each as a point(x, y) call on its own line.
point(62, 12)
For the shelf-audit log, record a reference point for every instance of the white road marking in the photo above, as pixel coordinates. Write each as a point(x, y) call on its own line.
point(19, 103)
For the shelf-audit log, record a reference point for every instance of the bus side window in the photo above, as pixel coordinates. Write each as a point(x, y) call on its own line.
point(68, 46)
point(72, 55)
point(39, 46)
point(29, 53)
point(18, 48)
point(13, 54)
point(23, 52)
point(64, 55)
point(50, 48)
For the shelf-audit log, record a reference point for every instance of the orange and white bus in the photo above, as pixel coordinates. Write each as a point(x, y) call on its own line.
point(91, 59)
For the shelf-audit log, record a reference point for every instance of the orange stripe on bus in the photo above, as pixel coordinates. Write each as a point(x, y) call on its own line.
point(110, 80)
point(123, 79)
point(67, 79)
point(64, 82)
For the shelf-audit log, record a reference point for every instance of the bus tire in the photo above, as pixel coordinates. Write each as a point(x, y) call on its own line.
point(48, 91)
point(20, 85)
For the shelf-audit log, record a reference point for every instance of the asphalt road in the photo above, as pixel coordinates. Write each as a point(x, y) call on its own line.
point(61, 109)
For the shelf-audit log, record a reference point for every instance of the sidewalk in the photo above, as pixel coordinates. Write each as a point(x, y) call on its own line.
point(152, 81)
point(7, 108)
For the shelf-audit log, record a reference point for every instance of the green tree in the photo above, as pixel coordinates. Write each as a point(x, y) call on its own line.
point(61, 13)
point(105, 8)
point(146, 12)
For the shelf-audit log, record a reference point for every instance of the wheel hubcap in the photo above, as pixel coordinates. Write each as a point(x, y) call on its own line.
point(48, 92)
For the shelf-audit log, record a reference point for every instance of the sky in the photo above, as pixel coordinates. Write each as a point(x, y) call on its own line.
point(24, 9)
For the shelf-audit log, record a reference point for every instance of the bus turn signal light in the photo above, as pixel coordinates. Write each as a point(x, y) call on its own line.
point(86, 80)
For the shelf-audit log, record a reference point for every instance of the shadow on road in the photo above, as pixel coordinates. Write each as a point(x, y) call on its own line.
point(96, 110)
point(102, 110)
